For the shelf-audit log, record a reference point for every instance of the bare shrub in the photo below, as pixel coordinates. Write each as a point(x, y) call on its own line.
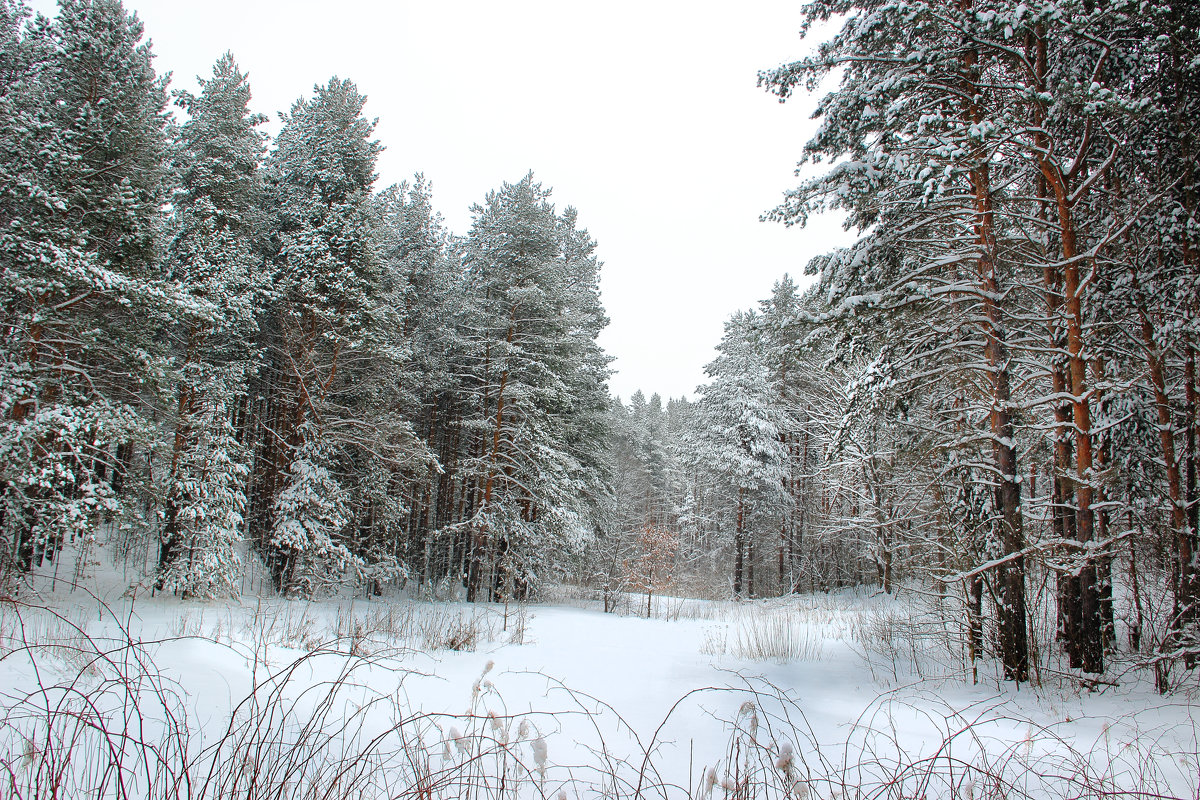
point(776, 635)
point(104, 722)
point(716, 641)
point(774, 754)
point(101, 721)
point(369, 629)
point(915, 637)
point(59, 636)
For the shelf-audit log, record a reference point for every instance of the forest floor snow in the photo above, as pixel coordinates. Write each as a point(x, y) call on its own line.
point(798, 697)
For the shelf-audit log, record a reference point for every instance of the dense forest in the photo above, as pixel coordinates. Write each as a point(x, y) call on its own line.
point(208, 341)
point(219, 347)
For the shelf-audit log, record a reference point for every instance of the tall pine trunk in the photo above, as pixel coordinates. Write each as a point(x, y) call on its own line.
point(1010, 573)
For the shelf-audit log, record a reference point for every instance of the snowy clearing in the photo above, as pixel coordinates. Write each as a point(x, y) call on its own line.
point(807, 696)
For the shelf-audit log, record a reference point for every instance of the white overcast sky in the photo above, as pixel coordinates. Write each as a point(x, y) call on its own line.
point(644, 115)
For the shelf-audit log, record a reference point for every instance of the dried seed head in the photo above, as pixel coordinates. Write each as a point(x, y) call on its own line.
point(540, 752)
point(783, 762)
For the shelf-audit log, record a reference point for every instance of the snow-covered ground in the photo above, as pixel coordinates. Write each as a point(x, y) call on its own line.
point(799, 697)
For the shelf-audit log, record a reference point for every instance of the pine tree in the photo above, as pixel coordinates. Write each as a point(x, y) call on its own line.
point(540, 388)
point(382, 460)
point(921, 126)
point(741, 440)
point(327, 264)
point(310, 515)
point(82, 194)
point(207, 499)
point(435, 300)
point(216, 251)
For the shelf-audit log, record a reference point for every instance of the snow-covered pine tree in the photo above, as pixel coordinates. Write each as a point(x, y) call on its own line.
point(81, 195)
point(1147, 312)
point(207, 500)
point(741, 441)
point(310, 517)
point(114, 108)
point(435, 305)
point(326, 266)
point(1068, 104)
point(644, 491)
point(584, 416)
point(918, 134)
point(649, 426)
point(781, 348)
point(1025, 176)
point(383, 462)
point(611, 546)
point(216, 251)
point(540, 377)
